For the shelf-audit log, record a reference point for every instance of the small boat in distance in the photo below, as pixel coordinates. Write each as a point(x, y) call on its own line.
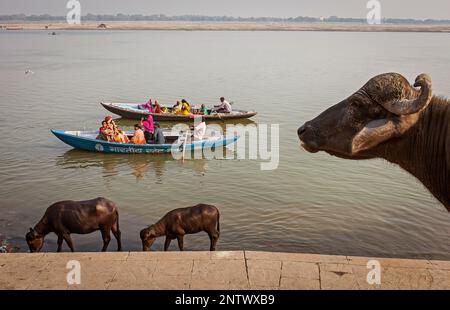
point(132, 111)
point(86, 140)
point(14, 28)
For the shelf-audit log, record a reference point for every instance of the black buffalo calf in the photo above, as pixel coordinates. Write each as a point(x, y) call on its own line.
point(180, 222)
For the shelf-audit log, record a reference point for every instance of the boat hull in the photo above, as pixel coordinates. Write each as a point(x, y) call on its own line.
point(93, 145)
point(138, 114)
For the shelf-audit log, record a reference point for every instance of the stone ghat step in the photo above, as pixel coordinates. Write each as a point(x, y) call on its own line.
point(217, 270)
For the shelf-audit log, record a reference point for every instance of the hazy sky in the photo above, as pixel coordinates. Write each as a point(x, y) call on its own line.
point(437, 9)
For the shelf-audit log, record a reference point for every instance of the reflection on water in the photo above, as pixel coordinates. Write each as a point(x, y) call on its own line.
point(142, 165)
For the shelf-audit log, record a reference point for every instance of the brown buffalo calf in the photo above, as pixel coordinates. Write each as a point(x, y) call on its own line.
point(78, 217)
point(180, 222)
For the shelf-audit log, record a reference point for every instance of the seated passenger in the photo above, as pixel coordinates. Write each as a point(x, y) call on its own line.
point(110, 123)
point(116, 134)
point(185, 108)
point(138, 137)
point(185, 103)
point(157, 107)
point(148, 128)
point(159, 135)
point(110, 128)
point(177, 107)
point(185, 111)
point(104, 133)
point(120, 136)
point(146, 106)
point(204, 110)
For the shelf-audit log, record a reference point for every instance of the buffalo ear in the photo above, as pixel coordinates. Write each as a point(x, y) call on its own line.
point(31, 230)
point(374, 133)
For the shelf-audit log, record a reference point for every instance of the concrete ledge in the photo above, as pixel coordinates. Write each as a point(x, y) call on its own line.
point(217, 270)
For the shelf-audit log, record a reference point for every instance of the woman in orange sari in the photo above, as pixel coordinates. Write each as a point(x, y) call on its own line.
point(121, 137)
point(138, 137)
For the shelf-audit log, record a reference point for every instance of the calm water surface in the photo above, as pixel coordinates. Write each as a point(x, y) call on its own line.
point(311, 203)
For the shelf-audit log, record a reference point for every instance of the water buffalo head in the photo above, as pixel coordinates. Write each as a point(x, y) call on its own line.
point(382, 110)
point(148, 237)
point(35, 240)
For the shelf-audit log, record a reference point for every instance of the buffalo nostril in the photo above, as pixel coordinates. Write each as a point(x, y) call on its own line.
point(301, 130)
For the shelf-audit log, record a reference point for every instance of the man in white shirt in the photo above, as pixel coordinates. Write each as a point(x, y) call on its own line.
point(200, 130)
point(224, 107)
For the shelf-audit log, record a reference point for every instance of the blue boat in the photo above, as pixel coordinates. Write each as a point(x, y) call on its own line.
point(86, 140)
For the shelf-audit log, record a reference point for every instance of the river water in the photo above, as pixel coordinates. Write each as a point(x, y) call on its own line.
point(311, 203)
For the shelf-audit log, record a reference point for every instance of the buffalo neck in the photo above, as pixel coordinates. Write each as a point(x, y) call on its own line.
point(424, 150)
point(159, 229)
point(42, 227)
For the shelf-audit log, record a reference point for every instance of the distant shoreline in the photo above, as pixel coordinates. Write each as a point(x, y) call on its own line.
point(224, 26)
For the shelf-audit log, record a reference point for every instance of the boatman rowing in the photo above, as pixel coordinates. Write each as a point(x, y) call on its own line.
point(223, 107)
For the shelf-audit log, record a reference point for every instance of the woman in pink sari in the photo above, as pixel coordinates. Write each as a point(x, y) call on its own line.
point(149, 128)
point(147, 106)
